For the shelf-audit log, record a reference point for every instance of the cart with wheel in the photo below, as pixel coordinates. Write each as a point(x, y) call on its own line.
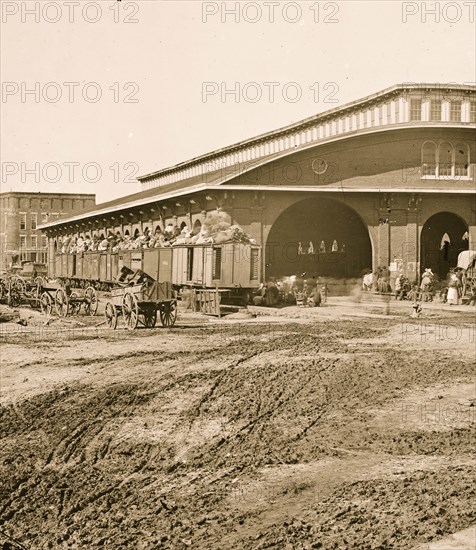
point(140, 299)
point(66, 301)
point(19, 291)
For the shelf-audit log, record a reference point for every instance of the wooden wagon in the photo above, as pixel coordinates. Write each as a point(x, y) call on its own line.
point(138, 297)
point(17, 291)
point(67, 301)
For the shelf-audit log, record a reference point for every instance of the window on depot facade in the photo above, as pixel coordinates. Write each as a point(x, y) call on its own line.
point(429, 159)
point(461, 160)
point(445, 160)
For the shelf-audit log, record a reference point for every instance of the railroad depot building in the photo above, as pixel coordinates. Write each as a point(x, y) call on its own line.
point(22, 213)
point(387, 180)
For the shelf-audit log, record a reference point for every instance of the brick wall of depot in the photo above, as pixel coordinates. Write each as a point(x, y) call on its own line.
point(391, 160)
point(406, 219)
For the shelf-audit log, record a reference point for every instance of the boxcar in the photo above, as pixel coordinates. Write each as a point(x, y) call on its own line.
point(229, 265)
point(230, 270)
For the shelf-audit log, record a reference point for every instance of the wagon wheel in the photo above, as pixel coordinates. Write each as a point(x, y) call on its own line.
point(36, 295)
point(46, 303)
point(39, 281)
point(91, 301)
point(18, 283)
point(61, 302)
point(150, 318)
point(74, 306)
point(130, 310)
point(168, 313)
point(111, 315)
point(14, 297)
point(3, 291)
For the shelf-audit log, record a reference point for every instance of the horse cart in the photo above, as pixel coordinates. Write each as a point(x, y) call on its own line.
point(139, 297)
point(67, 301)
point(467, 263)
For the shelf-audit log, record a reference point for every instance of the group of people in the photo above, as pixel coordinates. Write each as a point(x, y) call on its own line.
point(456, 286)
point(451, 291)
point(288, 291)
point(215, 229)
point(378, 281)
point(323, 248)
point(115, 242)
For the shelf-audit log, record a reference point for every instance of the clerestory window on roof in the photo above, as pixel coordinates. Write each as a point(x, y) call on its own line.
point(455, 111)
point(415, 109)
point(435, 110)
point(472, 112)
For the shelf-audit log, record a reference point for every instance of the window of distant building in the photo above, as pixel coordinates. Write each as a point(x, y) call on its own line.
point(44, 217)
point(22, 221)
point(445, 160)
point(435, 110)
point(43, 241)
point(34, 241)
point(22, 241)
point(455, 111)
point(34, 220)
point(415, 109)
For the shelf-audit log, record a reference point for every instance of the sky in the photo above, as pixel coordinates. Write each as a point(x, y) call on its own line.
point(96, 93)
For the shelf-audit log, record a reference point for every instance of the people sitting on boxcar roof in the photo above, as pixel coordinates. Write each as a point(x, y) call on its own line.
point(80, 244)
point(65, 245)
point(215, 229)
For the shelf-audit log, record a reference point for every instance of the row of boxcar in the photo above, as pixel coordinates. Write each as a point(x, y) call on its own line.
point(233, 266)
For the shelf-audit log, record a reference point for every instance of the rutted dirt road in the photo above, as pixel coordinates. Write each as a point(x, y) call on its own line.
point(314, 433)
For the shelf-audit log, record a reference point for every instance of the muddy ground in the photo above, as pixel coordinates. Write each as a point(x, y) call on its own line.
point(334, 428)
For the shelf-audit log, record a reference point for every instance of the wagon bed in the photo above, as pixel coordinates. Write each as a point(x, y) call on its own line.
point(138, 298)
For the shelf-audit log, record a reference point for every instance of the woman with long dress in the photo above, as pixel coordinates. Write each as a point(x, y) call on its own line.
point(452, 298)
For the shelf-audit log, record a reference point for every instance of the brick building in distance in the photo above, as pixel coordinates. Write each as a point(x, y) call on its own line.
point(20, 215)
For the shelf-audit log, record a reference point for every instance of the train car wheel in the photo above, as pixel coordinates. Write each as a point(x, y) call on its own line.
point(110, 314)
point(130, 310)
point(245, 298)
point(168, 313)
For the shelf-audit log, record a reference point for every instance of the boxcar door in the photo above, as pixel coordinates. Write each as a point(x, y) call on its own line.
point(165, 265)
point(102, 267)
point(151, 262)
